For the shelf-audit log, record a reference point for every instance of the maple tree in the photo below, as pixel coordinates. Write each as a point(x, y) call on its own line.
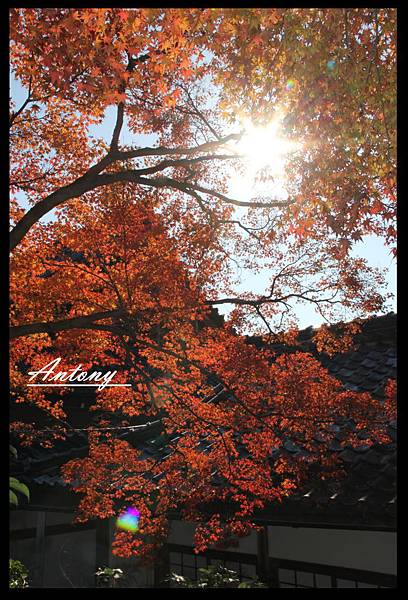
point(144, 242)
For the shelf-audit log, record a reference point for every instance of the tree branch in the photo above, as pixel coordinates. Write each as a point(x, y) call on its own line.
point(88, 182)
point(163, 150)
point(55, 326)
point(162, 182)
point(256, 302)
point(250, 203)
point(22, 107)
point(183, 162)
point(91, 181)
point(118, 127)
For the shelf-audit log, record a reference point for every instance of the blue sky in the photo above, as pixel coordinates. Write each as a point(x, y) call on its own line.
point(370, 248)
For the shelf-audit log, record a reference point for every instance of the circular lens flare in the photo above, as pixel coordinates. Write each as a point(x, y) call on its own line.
point(129, 520)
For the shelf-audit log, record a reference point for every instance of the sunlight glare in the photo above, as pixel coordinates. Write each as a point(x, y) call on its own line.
point(264, 147)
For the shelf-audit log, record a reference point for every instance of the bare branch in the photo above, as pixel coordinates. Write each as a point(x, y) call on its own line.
point(250, 203)
point(118, 127)
point(163, 150)
point(184, 162)
point(163, 182)
point(256, 302)
point(199, 114)
point(22, 107)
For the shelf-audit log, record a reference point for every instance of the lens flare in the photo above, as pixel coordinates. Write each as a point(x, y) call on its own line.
point(331, 64)
point(129, 520)
point(290, 84)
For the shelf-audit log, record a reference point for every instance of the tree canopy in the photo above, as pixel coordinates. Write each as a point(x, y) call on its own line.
point(142, 243)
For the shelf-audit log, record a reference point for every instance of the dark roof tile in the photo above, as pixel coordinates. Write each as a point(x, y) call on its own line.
point(372, 457)
point(291, 447)
point(362, 448)
point(348, 455)
point(368, 363)
point(335, 446)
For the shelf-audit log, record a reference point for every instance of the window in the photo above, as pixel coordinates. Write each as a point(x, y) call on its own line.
point(286, 573)
point(294, 574)
point(183, 561)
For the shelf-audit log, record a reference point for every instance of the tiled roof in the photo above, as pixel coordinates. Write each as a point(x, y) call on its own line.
point(373, 361)
point(368, 491)
point(366, 495)
point(365, 368)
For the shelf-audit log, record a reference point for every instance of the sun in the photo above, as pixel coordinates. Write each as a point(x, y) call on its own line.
point(264, 148)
